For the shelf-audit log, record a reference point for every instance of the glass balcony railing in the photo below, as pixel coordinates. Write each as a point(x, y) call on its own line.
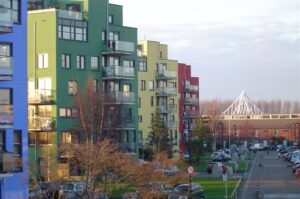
point(41, 96)
point(190, 100)
point(6, 20)
point(122, 122)
point(6, 116)
point(166, 108)
point(119, 97)
point(41, 123)
point(194, 88)
point(6, 68)
point(118, 72)
point(166, 91)
point(166, 74)
point(69, 14)
point(119, 47)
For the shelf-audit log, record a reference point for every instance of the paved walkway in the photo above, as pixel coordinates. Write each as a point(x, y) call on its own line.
point(274, 180)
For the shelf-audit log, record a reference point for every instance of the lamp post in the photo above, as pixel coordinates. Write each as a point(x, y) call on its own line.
point(221, 124)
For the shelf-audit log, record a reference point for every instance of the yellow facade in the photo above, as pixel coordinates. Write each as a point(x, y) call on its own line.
point(158, 90)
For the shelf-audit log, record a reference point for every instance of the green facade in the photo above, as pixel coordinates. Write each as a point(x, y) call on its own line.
point(64, 36)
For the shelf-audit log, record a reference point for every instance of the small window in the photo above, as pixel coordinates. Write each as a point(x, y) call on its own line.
point(103, 35)
point(110, 19)
point(94, 63)
point(17, 142)
point(5, 96)
point(72, 87)
point(68, 112)
point(80, 62)
point(142, 85)
point(151, 85)
point(65, 60)
point(160, 54)
point(140, 102)
point(66, 138)
point(43, 60)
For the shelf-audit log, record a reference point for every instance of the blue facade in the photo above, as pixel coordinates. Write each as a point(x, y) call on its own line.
point(13, 100)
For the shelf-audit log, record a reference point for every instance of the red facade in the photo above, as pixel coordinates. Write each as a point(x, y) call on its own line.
point(188, 88)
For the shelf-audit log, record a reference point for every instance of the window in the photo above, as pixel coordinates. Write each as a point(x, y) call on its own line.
point(151, 101)
point(68, 112)
point(141, 137)
point(43, 60)
point(110, 19)
point(16, 11)
point(142, 85)
point(65, 60)
point(103, 35)
point(172, 84)
point(128, 63)
point(80, 62)
point(66, 138)
point(72, 87)
point(94, 63)
point(152, 116)
point(151, 85)
point(95, 85)
point(31, 138)
point(160, 54)
point(2, 140)
point(17, 142)
point(5, 96)
point(103, 61)
point(5, 54)
point(140, 102)
point(142, 64)
point(140, 118)
point(72, 30)
point(45, 138)
point(73, 7)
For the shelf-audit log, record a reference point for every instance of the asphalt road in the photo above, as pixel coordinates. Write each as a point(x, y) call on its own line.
point(274, 179)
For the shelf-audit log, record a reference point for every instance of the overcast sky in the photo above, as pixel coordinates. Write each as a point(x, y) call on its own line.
point(232, 45)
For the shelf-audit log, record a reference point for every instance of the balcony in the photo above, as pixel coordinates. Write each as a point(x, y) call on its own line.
point(118, 72)
point(170, 124)
point(116, 47)
point(166, 108)
point(6, 68)
point(69, 14)
point(191, 88)
point(6, 20)
point(41, 123)
point(166, 74)
point(41, 97)
point(192, 113)
point(6, 116)
point(165, 91)
point(7, 162)
point(113, 97)
point(191, 100)
point(120, 123)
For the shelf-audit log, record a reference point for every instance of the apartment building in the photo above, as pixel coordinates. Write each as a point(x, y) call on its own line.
point(188, 88)
point(13, 100)
point(68, 42)
point(158, 91)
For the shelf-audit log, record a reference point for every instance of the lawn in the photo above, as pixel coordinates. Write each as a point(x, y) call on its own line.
point(215, 187)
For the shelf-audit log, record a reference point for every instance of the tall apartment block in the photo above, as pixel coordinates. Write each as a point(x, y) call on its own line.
point(13, 100)
point(188, 88)
point(158, 91)
point(68, 42)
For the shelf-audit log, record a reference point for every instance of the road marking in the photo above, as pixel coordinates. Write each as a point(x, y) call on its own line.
point(281, 196)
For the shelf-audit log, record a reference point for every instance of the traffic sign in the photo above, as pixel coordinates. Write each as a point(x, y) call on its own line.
point(191, 170)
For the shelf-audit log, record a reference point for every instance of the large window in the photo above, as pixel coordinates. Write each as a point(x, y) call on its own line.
point(18, 143)
point(80, 62)
point(5, 96)
point(66, 137)
point(31, 138)
point(65, 60)
point(5, 54)
point(43, 60)
point(72, 30)
point(68, 112)
point(142, 64)
point(72, 87)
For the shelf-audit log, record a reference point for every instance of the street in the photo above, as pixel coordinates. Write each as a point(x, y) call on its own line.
point(274, 180)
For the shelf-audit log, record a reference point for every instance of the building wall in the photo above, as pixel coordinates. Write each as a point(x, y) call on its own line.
point(14, 185)
point(190, 109)
point(156, 53)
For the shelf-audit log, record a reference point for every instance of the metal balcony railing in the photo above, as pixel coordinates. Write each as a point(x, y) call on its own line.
point(41, 96)
point(194, 88)
point(6, 20)
point(6, 116)
point(166, 74)
point(6, 68)
point(119, 97)
point(191, 100)
point(119, 47)
point(166, 91)
point(41, 123)
point(69, 14)
point(166, 108)
point(118, 72)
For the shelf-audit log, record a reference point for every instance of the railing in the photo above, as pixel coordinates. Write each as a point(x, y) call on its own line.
point(118, 72)
point(6, 68)
point(69, 14)
point(116, 46)
point(41, 123)
point(167, 90)
point(120, 122)
point(191, 100)
point(166, 74)
point(6, 20)
point(119, 97)
point(259, 116)
point(6, 116)
point(191, 87)
point(7, 162)
point(166, 108)
point(41, 96)
point(192, 112)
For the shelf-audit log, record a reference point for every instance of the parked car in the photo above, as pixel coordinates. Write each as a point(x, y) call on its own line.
point(183, 191)
point(68, 188)
point(211, 165)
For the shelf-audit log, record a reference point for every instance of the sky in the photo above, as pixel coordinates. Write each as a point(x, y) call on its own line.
point(232, 45)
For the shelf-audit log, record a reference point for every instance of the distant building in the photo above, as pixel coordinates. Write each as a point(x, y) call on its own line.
point(13, 100)
point(188, 89)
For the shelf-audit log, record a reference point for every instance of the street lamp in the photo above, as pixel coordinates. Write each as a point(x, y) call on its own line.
point(221, 124)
